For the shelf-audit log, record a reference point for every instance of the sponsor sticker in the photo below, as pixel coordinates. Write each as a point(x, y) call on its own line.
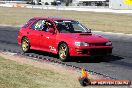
point(52, 48)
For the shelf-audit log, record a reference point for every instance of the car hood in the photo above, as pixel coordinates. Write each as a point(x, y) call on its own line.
point(84, 37)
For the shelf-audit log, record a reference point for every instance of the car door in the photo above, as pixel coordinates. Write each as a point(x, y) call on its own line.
point(35, 34)
point(48, 40)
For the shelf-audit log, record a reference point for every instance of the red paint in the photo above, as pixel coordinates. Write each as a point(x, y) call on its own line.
point(47, 41)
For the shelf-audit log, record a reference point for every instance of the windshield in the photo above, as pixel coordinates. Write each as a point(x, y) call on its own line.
point(70, 27)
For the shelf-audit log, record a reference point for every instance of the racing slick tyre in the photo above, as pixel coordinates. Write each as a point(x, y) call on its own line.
point(63, 52)
point(25, 45)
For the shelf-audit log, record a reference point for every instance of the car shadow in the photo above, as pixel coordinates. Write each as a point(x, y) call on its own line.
point(42, 53)
point(109, 58)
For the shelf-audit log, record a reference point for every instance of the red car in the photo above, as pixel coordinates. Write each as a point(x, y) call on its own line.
point(61, 36)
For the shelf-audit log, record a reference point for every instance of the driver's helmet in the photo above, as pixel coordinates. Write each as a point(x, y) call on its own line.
point(47, 24)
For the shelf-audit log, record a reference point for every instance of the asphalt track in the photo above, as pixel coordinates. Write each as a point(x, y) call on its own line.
point(119, 65)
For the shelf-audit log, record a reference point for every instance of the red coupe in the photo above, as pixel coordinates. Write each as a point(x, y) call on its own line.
point(62, 36)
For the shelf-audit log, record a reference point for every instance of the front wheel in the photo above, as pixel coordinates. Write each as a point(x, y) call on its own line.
point(63, 52)
point(25, 45)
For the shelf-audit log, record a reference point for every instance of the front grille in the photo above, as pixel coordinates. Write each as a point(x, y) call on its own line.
point(83, 51)
point(94, 51)
point(97, 44)
point(100, 51)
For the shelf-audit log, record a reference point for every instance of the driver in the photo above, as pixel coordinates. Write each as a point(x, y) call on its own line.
point(47, 26)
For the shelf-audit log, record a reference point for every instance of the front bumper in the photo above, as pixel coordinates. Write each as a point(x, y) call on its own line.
point(91, 51)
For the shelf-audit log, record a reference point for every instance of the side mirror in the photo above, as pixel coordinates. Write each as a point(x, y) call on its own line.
point(51, 30)
point(90, 30)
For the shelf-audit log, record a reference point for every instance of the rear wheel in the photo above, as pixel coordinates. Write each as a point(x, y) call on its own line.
point(25, 45)
point(63, 52)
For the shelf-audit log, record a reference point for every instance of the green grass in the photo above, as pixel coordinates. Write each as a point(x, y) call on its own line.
point(106, 22)
point(15, 75)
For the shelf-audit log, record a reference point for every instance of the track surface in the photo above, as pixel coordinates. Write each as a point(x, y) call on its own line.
point(119, 65)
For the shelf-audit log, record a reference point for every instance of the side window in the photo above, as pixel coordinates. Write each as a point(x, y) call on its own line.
point(78, 27)
point(38, 25)
point(28, 23)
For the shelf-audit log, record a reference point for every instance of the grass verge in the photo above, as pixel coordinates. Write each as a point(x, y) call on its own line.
point(15, 75)
point(107, 22)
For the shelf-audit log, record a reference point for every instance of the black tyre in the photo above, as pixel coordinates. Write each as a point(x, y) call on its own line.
point(25, 45)
point(63, 52)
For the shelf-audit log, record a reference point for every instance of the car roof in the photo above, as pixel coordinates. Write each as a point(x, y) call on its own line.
point(53, 18)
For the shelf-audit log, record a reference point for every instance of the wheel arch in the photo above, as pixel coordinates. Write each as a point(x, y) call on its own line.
point(23, 38)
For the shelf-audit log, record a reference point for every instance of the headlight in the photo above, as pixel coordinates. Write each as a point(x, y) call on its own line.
point(81, 44)
point(108, 43)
